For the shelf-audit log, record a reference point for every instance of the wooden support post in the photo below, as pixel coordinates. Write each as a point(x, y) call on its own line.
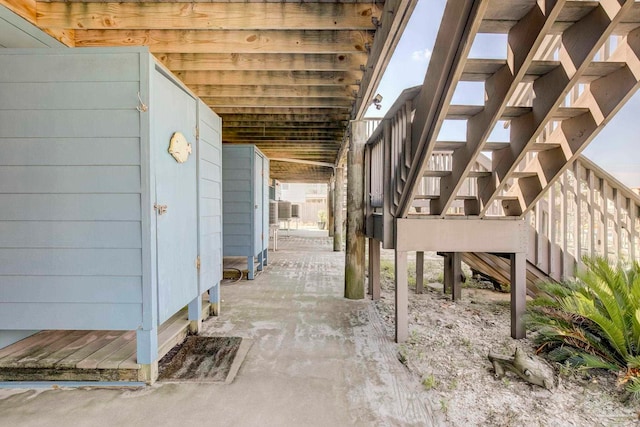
point(592, 213)
point(419, 272)
point(402, 296)
point(194, 310)
point(518, 294)
point(330, 207)
point(453, 275)
point(355, 260)
point(374, 269)
point(338, 197)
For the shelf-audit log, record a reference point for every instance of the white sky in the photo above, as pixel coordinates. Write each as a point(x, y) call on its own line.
point(613, 149)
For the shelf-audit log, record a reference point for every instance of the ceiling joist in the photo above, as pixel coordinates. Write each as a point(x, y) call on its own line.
point(230, 41)
point(206, 16)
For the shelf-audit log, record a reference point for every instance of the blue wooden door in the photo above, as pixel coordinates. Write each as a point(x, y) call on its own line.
point(258, 202)
point(176, 188)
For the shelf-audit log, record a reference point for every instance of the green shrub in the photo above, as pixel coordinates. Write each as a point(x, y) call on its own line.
point(593, 321)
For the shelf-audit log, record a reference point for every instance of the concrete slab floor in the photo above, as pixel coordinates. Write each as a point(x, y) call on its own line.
point(317, 360)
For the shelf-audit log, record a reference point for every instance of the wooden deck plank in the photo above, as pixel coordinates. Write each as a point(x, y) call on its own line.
point(30, 345)
point(92, 361)
point(114, 360)
point(41, 358)
point(78, 350)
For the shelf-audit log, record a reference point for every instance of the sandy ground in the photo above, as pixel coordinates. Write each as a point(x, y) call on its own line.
point(448, 348)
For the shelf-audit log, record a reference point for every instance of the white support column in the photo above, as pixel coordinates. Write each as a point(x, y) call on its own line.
point(402, 296)
point(633, 235)
point(518, 294)
point(604, 218)
point(577, 225)
point(592, 214)
point(552, 233)
point(618, 224)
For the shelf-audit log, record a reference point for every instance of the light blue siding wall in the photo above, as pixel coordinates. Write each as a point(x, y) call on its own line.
point(210, 197)
point(70, 191)
point(15, 32)
point(237, 196)
point(243, 210)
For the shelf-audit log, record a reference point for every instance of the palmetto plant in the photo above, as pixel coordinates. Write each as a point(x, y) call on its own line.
point(593, 321)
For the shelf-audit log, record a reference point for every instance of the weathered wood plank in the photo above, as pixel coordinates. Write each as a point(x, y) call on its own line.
point(228, 16)
point(41, 357)
point(67, 356)
point(230, 41)
point(261, 61)
point(109, 347)
point(282, 91)
point(31, 347)
point(274, 78)
point(222, 101)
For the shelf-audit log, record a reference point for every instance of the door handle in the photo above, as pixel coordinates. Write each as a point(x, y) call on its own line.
point(161, 209)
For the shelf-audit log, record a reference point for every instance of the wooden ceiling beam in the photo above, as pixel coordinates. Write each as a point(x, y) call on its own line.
point(287, 133)
point(330, 119)
point(262, 61)
point(272, 112)
point(328, 125)
point(226, 101)
point(230, 41)
point(276, 91)
point(221, 16)
point(276, 78)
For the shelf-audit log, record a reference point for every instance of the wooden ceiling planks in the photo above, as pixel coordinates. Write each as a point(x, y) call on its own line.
point(297, 70)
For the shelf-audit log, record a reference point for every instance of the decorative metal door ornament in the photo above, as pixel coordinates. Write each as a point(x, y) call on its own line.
point(179, 148)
